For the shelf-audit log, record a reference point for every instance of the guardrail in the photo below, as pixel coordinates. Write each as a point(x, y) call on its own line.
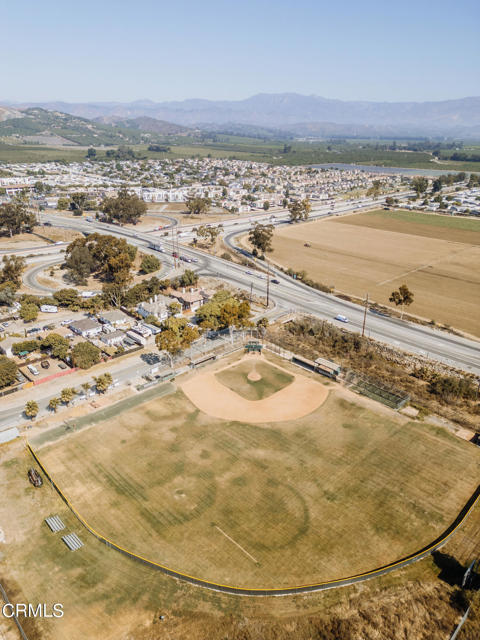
point(281, 591)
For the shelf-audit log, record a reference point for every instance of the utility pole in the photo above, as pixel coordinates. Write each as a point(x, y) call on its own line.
point(268, 283)
point(251, 293)
point(365, 316)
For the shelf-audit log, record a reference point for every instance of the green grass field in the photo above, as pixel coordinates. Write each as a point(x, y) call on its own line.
point(339, 491)
point(443, 227)
point(272, 379)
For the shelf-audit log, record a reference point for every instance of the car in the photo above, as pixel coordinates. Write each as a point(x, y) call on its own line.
point(59, 242)
point(275, 281)
point(62, 365)
point(341, 318)
point(249, 273)
point(194, 260)
point(45, 364)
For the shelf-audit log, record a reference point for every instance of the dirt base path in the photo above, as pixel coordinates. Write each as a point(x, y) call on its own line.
point(298, 399)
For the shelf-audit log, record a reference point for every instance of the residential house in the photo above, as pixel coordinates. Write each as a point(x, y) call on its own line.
point(87, 327)
point(113, 339)
point(156, 306)
point(192, 299)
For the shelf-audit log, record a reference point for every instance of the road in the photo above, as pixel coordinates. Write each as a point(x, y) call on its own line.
point(291, 295)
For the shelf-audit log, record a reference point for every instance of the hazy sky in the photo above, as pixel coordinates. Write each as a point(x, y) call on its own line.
point(171, 50)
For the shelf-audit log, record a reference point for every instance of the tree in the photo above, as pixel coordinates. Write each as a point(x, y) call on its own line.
point(299, 209)
point(402, 297)
point(12, 269)
point(224, 310)
point(261, 237)
point(188, 278)
point(113, 294)
point(7, 294)
point(174, 308)
point(28, 312)
point(176, 335)
point(150, 264)
point(31, 409)
point(85, 355)
point(78, 201)
point(63, 204)
point(262, 324)
point(57, 344)
point(66, 297)
point(15, 219)
point(91, 153)
point(53, 404)
point(67, 395)
point(125, 208)
point(266, 205)
point(8, 371)
point(85, 386)
point(375, 189)
point(110, 258)
point(198, 205)
point(389, 201)
point(103, 382)
point(209, 234)
point(80, 264)
point(419, 185)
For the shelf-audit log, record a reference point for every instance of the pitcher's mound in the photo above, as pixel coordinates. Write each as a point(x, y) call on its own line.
point(254, 376)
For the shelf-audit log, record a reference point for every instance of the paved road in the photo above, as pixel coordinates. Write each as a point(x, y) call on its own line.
point(292, 295)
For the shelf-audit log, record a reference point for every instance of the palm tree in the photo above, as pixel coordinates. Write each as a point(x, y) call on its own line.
point(31, 409)
point(53, 404)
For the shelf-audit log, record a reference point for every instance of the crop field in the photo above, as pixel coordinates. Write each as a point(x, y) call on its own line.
point(338, 491)
point(375, 252)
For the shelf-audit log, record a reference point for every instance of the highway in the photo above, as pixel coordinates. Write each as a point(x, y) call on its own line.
point(291, 295)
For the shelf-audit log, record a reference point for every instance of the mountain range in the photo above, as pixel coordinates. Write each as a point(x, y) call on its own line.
point(297, 114)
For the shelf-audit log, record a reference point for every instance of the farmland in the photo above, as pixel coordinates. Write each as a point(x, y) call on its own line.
point(274, 505)
point(375, 252)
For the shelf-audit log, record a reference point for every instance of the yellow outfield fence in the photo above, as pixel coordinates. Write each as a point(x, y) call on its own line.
point(281, 591)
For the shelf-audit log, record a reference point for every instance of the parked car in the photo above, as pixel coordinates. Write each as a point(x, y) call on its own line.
point(45, 364)
point(62, 365)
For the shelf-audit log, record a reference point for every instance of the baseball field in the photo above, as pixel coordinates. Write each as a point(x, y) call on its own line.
point(375, 252)
point(330, 488)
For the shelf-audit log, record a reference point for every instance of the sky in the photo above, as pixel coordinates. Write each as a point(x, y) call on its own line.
point(224, 50)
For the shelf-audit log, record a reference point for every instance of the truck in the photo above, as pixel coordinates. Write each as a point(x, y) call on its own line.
point(155, 246)
point(48, 308)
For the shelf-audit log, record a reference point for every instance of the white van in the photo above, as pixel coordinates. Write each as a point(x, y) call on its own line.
point(33, 370)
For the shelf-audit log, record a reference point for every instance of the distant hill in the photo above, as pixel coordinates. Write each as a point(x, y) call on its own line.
point(284, 110)
point(42, 126)
point(152, 125)
point(7, 112)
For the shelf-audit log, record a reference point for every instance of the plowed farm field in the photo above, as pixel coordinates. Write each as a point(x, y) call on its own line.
point(438, 258)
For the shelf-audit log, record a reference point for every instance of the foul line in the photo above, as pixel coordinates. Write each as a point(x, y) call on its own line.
point(237, 545)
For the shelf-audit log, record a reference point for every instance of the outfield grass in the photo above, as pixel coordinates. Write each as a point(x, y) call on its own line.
point(339, 491)
point(272, 379)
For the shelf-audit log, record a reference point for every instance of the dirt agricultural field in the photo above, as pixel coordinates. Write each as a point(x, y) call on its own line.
point(375, 252)
point(337, 491)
